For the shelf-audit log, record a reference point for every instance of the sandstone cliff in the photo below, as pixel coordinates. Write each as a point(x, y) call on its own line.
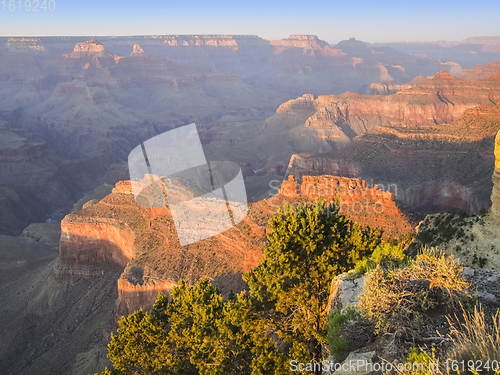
point(479, 71)
point(440, 100)
point(87, 48)
point(308, 43)
point(495, 193)
point(144, 242)
point(137, 50)
point(301, 41)
point(388, 88)
point(474, 241)
point(430, 165)
point(426, 177)
point(201, 40)
point(366, 205)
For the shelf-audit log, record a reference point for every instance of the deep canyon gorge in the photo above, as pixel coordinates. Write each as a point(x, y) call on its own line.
point(381, 126)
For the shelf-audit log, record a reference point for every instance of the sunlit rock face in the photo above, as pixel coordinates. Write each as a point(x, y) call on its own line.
point(366, 205)
point(138, 51)
point(495, 193)
point(89, 47)
point(144, 241)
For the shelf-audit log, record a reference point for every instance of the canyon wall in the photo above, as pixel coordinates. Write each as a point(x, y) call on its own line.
point(479, 71)
point(495, 193)
point(89, 47)
point(315, 165)
point(309, 43)
point(442, 99)
point(144, 243)
point(95, 242)
point(201, 40)
point(36, 184)
point(430, 175)
point(366, 205)
point(24, 44)
point(131, 296)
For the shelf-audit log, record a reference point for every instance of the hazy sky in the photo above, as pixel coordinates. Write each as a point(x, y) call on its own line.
point(371, 21)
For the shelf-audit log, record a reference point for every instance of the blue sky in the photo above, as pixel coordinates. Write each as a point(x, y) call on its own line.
point(371, 21)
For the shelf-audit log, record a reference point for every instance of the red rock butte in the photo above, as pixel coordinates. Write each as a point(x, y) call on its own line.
point(368, 206)
point(328, 187)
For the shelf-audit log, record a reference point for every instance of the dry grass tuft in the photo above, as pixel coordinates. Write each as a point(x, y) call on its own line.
point(475, 349)
point(395, 300)
point(475, 340)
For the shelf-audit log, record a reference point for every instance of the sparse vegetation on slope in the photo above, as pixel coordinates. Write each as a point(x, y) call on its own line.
point(282, 318)
point(474, 348)
point(387, 257)
point(471, 239)
point(396, 301)
point(476, 340)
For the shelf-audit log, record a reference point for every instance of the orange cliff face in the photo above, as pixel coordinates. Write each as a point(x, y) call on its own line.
point(88, 48)
point(479, 71)
point(368, 206)
point(132, 297)
point(93, 54)
point(144, 242)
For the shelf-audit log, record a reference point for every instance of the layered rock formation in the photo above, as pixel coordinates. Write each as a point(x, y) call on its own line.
point(479, 71)
point(100, 241)
point(35, 183)
point(309, 43)
point(201, 40)
point(133, 296)
point(443, 99)
point(301, 41)
point(86, 113)
point(474, 241)
point(144, 241)
point(305, 104)
point(495, 193)
point(24, 44)
point(87, 48)
point(368, 206)
point(385, 88)
point(43, 313)
point(428, 164)
point(137, 51)
point(425, 181)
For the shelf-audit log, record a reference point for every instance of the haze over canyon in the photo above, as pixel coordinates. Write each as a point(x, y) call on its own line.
point(408, 127)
